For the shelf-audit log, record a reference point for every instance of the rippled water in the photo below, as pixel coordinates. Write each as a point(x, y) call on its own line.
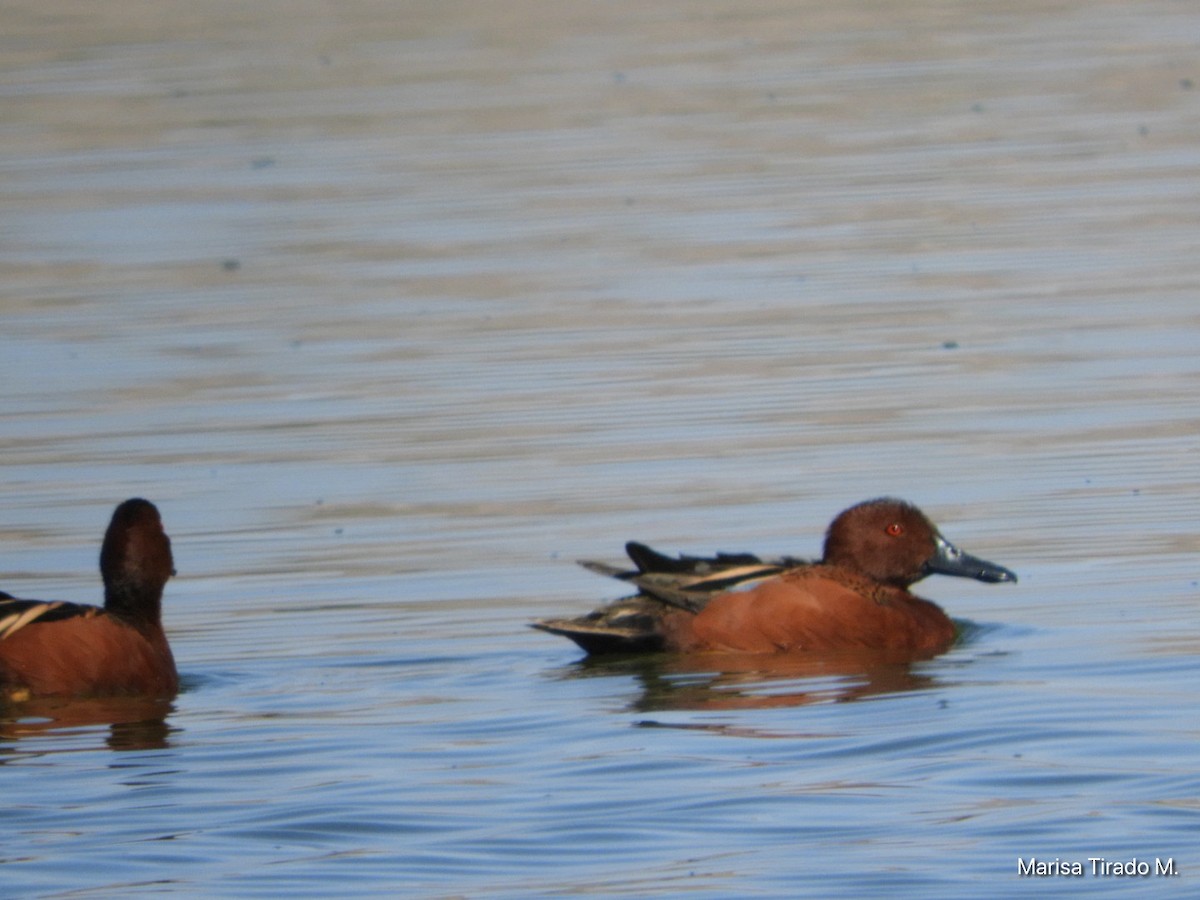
point(398, 309)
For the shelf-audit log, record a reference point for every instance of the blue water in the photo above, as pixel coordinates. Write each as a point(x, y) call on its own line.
point(396, 312)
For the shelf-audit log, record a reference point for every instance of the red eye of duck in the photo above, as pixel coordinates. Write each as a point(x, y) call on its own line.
point(895, 529)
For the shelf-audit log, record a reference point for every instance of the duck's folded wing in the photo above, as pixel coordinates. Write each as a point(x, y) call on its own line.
point(16, 614)
point(688, 581)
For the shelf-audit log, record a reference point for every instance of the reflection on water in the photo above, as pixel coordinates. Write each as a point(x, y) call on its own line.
point(725, 681)
point(127, 723)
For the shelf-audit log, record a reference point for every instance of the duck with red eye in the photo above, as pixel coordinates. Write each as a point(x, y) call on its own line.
point(894, 543)
point(855, 597)
point(71, 649)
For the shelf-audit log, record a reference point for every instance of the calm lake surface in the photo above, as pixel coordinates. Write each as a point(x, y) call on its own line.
point(398, 309)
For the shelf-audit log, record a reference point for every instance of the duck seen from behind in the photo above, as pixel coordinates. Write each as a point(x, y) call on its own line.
point(855, 597)
point(71, 649)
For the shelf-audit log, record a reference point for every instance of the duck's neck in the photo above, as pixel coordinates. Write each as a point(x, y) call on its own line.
point(133, 603)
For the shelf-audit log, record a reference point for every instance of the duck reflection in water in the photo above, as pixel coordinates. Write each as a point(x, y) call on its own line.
point(732, 681)
point(128, 722)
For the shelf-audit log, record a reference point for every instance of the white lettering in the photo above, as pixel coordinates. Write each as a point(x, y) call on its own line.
point(1040, 868)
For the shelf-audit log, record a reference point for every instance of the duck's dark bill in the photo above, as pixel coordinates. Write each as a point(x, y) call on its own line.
point(949, 560)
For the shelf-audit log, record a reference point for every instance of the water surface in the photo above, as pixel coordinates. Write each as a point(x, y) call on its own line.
point(396, 310)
